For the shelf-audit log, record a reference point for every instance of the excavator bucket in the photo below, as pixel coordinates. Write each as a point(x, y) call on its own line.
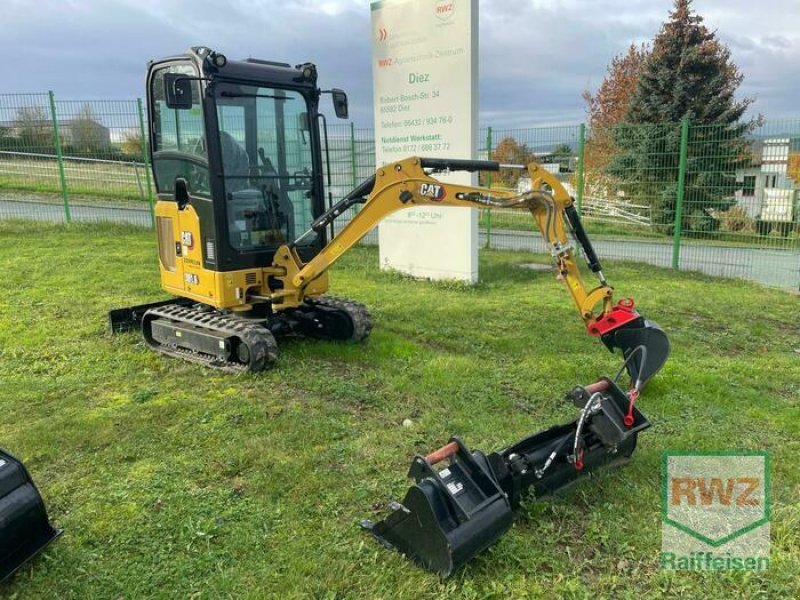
point(24, 527)
point(458, 509)
point(645, 347)
point(450, 515)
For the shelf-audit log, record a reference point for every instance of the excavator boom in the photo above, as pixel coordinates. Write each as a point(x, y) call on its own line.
point(411, 182)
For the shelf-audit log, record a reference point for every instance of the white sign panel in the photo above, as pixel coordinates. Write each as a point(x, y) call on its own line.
point(425, 74)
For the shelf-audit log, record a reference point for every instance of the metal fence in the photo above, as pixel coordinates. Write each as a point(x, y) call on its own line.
point(715, 199)
point(720, 200)
point(73, 160)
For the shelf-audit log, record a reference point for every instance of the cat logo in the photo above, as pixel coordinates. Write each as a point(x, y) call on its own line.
point(434, 191)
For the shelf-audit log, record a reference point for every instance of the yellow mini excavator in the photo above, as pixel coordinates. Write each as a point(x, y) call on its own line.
point(243, 243)
point(243, 230)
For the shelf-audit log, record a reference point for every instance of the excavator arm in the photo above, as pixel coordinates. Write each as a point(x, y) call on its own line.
point(410, 182)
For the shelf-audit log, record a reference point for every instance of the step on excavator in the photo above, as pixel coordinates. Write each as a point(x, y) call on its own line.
point(245, 241)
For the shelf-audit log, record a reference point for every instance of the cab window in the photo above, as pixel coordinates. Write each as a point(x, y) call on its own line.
point(267, 164)
point(179, 148)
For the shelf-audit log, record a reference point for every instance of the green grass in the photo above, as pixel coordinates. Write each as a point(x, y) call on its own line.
point(174, 481)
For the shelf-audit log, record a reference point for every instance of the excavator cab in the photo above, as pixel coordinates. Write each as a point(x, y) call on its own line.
point(237, 162)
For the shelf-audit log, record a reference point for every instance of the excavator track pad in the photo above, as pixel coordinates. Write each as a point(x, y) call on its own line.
point(210, 338)
point(237, 343)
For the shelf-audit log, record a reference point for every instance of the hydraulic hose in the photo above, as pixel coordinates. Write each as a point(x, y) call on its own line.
point(580, 235)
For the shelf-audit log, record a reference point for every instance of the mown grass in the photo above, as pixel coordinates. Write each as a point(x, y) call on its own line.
point(173, 481)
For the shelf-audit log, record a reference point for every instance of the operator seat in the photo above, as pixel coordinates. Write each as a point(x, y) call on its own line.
point(235, 163)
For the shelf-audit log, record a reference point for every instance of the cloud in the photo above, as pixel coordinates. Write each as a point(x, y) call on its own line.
point(537, 56)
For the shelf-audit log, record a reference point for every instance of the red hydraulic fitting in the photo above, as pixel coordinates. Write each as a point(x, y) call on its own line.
point(579, 461)
point(628, 420)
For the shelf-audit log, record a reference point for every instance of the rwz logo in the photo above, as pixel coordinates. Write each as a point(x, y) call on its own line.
point(740, 490)
point(434, 191)
point(445, 10)
point(715, 502)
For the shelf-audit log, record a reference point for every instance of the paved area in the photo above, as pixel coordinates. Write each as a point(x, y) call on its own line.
point(773, 267)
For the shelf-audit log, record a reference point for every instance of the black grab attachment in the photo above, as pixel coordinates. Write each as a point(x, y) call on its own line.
point(24, 527)
point(459, 164)
point(453, 513)
point(583, 239)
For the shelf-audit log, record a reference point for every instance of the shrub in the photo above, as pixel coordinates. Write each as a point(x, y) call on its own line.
point(736, 219)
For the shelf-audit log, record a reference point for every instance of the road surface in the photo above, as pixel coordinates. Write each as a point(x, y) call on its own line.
point(773, 267)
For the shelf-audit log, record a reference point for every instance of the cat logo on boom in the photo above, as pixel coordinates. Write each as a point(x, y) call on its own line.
point(434, 191)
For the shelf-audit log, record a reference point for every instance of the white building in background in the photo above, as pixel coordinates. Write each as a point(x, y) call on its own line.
point(767, 192)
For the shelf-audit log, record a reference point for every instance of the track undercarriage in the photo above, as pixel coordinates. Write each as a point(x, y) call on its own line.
point(237, 342)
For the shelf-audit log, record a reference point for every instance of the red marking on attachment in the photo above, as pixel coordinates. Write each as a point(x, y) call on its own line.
point(618, 316)
point(579, 462)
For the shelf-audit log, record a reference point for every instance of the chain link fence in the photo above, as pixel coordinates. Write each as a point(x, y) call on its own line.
point(720, 200)
point(73, 160)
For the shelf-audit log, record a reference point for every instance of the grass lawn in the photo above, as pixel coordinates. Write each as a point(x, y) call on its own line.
point(174, 481)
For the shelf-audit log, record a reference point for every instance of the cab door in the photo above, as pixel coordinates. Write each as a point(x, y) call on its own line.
point(180, 163)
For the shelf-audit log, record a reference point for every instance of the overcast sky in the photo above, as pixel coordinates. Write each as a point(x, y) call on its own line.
point(536, 56)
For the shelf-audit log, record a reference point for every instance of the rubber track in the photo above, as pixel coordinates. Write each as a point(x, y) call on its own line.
point(260, 341)
point(358, 313)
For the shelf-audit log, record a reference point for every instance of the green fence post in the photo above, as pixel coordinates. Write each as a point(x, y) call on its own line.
point(59, 156)
point(678, 225)
point(489, 185)
point(146, 160)
point(353, 154)
point(579, 182)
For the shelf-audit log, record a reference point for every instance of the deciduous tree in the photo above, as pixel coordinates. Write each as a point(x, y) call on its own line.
point(605, 109)
point(33, 129)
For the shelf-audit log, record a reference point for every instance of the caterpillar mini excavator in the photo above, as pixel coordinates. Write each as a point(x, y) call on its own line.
point(243, 244)
point(242, 224)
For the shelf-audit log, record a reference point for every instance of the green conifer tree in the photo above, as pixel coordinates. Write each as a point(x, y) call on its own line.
point(688, 75)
